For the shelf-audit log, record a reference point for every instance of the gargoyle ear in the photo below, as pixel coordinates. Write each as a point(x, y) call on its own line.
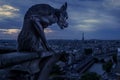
point(64, 6)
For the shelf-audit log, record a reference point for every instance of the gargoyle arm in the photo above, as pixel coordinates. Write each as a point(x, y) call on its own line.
point(40, 31)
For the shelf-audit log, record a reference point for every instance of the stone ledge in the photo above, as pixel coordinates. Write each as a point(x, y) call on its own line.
point(20, 57)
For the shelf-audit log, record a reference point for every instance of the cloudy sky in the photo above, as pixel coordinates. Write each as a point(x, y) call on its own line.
point(98, 19)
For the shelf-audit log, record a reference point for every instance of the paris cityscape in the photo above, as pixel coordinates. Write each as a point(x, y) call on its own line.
point(60, 40)
point(84, 56)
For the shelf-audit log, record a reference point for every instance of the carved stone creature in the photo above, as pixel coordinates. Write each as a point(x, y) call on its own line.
point(36, 19)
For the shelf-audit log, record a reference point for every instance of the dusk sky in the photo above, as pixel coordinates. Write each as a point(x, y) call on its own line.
point(98, 19)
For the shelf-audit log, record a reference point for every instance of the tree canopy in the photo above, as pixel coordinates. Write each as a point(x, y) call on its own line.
point(90, 76)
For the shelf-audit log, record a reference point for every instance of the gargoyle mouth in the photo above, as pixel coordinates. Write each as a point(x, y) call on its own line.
point(63, 25)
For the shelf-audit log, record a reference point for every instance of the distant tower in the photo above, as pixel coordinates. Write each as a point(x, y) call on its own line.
point(83, 46)
point(83, 37)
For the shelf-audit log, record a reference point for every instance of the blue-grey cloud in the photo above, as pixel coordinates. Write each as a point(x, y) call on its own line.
point(97, 18)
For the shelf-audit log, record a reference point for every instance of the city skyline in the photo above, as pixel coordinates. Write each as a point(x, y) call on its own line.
point(98, 19)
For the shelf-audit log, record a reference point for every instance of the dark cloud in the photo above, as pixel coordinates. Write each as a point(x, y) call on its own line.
point(97, 18)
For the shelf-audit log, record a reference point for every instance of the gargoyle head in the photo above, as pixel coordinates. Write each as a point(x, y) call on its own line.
point(63, 16)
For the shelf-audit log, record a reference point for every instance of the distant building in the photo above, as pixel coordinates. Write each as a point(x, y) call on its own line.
point(118, 52)
point(116, 70)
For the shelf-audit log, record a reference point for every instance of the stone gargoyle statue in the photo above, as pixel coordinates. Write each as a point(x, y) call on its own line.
point(36, 19)
point(32, 36)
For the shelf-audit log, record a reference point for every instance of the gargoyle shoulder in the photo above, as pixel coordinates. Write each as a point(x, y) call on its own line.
point(40, 9)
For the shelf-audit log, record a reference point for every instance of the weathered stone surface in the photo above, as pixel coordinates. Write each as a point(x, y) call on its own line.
point(24, 64)
point(20, 57)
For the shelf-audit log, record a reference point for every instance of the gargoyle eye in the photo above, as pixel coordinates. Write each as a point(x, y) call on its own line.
point(67, 17)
